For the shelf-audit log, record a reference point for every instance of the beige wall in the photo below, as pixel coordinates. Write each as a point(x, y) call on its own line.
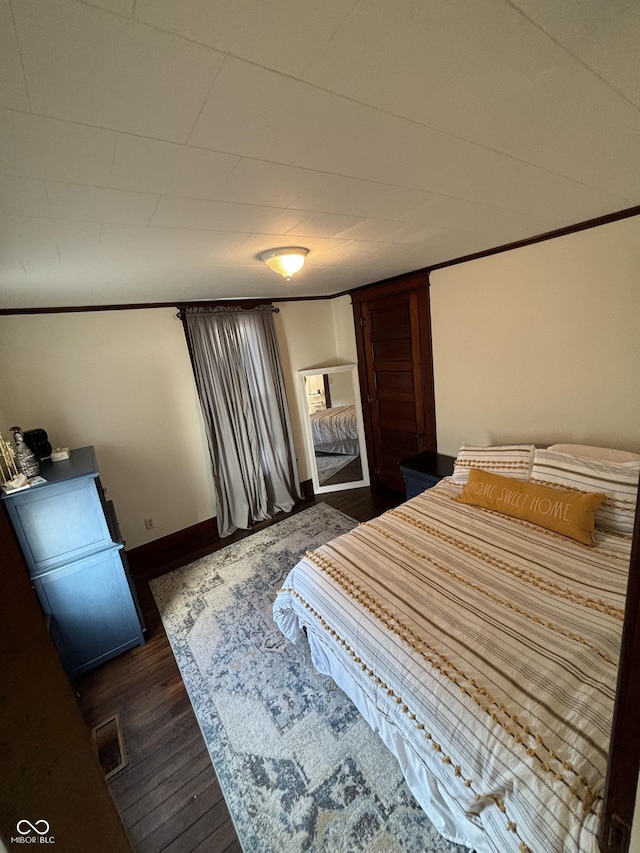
point(121, 381)
point(541, 344)
point(4, 425)
point(342, 311)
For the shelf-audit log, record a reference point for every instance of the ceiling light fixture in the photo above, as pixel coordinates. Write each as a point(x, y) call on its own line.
point(285, 261)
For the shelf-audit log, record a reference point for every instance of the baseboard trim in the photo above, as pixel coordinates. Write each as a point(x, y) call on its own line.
point(175, 550)
point(184, 546)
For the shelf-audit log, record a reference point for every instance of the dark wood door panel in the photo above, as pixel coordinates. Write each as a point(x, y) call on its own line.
point(392, 384)
point(398, 441)
point(398, 349)
point(394, 367)
point(398, 412)
point(388, 314)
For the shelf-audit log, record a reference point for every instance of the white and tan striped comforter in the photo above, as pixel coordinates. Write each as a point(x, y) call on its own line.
point(490, 645)
point(331, 427)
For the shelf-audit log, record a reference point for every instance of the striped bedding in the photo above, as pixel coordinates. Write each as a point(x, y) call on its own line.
point(487, 649)
point(334, 429)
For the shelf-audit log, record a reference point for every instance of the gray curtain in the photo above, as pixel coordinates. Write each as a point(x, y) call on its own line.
point(238, 375)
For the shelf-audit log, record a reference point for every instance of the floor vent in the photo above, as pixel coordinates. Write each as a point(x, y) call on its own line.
point(108, 743)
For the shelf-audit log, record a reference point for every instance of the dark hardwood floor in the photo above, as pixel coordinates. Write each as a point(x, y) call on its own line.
point(351, 473)
point(168, 795)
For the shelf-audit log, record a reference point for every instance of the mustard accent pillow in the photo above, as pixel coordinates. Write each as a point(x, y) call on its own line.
point(570, 513)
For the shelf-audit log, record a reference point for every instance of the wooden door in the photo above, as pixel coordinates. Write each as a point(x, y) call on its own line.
point(393, 328)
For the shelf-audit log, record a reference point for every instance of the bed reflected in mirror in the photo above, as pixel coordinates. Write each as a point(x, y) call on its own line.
point(332, 416)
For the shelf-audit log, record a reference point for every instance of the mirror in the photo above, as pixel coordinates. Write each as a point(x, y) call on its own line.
point(334, 431)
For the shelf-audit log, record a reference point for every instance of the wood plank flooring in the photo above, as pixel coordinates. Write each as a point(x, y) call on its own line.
point(168, 795)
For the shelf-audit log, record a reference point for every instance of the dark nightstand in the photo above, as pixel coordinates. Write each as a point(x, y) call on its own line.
point(424, 470)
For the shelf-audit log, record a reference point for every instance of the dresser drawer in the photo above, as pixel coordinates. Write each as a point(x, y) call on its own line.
point(416, 483)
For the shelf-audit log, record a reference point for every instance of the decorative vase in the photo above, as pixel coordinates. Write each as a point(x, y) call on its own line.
point(26, 462)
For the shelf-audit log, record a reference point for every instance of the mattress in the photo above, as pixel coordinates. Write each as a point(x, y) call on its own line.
point(484, 650)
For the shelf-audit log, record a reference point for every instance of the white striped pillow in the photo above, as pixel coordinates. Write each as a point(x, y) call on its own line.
point(603, 454)
point(618, 480)
point(510, 460)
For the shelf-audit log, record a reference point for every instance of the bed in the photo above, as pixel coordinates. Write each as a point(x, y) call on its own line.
point(335, 430)
point(482, 647)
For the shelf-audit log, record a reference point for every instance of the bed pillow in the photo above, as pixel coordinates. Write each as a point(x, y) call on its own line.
point(571, 513)
point(511, 460)
point(603, 454)
point(618, 480)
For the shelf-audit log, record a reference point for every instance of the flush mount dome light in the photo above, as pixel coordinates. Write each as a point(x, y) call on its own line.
point(285, 261)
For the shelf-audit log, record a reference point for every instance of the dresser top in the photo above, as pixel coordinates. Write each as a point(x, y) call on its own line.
point(81, 463)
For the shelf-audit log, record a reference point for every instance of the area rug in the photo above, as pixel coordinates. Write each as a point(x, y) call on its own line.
point(329, 464)
point(299, 767)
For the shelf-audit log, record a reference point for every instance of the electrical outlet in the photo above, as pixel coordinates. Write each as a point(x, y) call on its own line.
point(149, 523)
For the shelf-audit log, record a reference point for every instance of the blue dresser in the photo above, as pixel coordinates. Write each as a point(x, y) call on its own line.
point(72, 545)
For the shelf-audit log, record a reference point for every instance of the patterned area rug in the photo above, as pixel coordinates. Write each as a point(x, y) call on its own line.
point(329, 464)
point(299, 767)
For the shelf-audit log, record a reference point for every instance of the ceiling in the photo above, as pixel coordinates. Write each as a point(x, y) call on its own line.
point(150, 149)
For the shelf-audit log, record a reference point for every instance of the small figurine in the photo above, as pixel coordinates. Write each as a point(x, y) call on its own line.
point(24, 458)
point(8, 467)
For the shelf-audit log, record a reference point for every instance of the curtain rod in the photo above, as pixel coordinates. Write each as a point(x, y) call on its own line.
point(274, 309)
